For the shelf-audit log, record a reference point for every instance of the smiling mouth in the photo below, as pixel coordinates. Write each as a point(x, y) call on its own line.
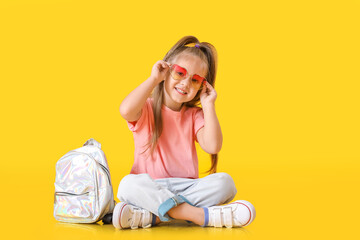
point(180, 91)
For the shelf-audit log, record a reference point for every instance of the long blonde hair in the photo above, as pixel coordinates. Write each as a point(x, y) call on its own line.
point(205, 52)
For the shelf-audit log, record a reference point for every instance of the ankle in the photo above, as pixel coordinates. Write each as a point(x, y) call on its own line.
point(187, 212)
point(200, 217)
point(157, 221)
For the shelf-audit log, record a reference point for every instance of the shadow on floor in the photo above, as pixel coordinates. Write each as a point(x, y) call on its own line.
point(177, 229)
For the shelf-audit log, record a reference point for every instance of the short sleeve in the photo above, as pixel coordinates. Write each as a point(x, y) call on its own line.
point(134, 126)
point(198, 121)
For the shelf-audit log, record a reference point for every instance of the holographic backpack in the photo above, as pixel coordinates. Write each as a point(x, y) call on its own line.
point(83, 189)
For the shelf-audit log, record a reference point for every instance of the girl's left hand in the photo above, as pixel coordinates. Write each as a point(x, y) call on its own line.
point(208, 95)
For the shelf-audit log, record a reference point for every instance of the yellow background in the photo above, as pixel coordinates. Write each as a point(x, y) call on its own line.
point(288, 103)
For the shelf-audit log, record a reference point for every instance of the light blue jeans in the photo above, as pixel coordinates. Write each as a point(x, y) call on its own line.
point(160, 195)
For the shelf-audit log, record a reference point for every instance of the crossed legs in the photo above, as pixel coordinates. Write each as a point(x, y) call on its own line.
point(157, 196)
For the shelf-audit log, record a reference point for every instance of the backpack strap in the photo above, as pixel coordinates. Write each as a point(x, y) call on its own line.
point(92, 142)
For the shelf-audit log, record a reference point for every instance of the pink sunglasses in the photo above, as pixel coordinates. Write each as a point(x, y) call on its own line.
point(179, 73)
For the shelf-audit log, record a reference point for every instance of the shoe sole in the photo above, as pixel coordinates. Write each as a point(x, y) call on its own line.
point(251, 209)
point(117, 213)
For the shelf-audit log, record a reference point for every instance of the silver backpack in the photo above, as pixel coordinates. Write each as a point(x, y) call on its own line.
point(83, 189)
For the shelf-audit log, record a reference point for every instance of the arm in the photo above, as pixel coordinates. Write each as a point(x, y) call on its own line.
point(210, 136)
point(130, 108)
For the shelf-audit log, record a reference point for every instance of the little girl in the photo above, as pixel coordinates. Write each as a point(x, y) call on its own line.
point(165, 119)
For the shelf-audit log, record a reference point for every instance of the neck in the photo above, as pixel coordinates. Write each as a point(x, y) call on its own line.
point(173, 106)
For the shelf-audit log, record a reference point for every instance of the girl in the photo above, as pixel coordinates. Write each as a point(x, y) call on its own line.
point(164, 183)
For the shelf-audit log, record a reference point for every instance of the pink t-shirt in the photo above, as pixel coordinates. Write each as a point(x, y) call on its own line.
point(175, 155)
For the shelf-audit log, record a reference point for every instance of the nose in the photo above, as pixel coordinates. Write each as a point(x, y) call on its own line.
point(186, 81)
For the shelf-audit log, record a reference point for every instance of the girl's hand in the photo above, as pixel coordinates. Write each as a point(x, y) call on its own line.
point(208, 95)
point(160, 70)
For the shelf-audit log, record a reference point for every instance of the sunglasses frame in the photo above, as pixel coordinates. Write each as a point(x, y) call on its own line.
point(187, 74)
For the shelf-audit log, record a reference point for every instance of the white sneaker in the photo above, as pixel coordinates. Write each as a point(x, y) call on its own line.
point(129, 216)
point(239, 213)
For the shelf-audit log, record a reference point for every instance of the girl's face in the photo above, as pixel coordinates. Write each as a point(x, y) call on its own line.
point(178, 92)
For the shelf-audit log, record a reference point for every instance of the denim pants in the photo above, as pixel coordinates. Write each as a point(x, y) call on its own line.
point(160, 195)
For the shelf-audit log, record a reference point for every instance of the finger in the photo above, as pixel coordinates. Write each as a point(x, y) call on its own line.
point(209, 85)
point(164, 62)
point(204, 89)
point(205, 86)
point(163, 66)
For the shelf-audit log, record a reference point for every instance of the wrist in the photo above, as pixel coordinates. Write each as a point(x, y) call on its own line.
point(153, 80)
point(208, 106)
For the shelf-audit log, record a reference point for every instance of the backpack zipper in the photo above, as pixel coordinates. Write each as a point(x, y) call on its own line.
point(72, 194)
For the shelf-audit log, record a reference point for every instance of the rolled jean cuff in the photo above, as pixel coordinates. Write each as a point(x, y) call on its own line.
point(169, 204)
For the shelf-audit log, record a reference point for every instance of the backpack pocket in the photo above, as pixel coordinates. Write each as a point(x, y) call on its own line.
point(71, 207)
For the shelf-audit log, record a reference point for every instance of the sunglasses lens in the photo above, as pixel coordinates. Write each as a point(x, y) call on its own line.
point(177, 72)
point(198, 78)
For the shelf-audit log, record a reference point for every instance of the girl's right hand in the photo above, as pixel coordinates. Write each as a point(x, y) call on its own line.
point(160, 70)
